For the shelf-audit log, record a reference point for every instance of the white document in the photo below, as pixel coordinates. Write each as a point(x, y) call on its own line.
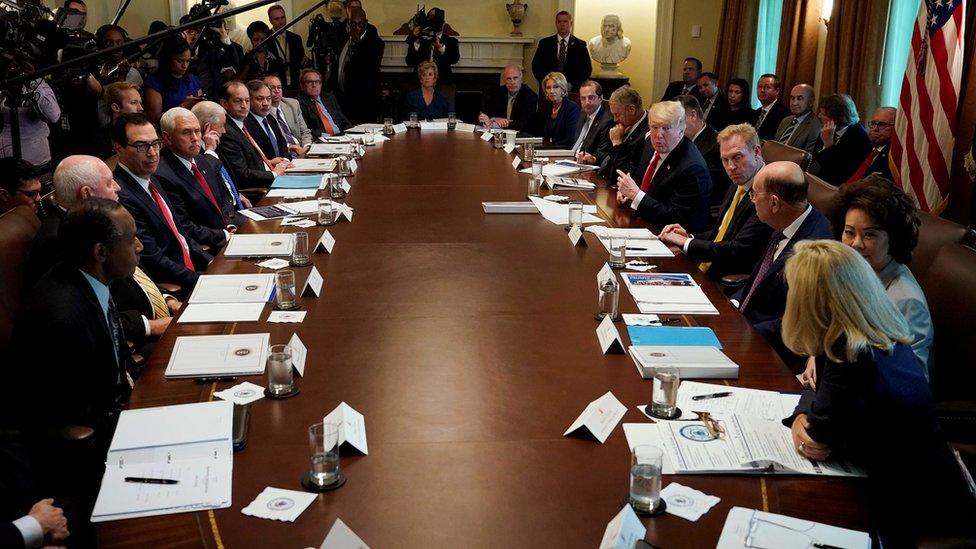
point(785, 532)
point(221, 312)
point(312, 165)
point(521, 207)
point(624, 531)
point(428, 126)
point(554, 183)
point(486, 136)
point(279, 504)
point(189, 443)
point(609, 336)
point(516, 162)
point(768, 405)
point(352, 427)
point(274, 264)
point(322, 149)
point(559, 213)
point(509, 149)
point(242, 393)
point(260, 245)
point(555, 153)
point(252, 288)
point(365, 127)
point(301, 222)
point(691, 361)
point(218, 355)
point(631, 319)
point(640, 242)
point(576, 236)
point(342, 537)
point(464, 127)
point(668, 293)
point(563, 167)
point(287, 317)
point(599, 417)
point(313, 284)
point(687, 503)
point(399, 128)
point(326, 243)
point(298, 354)
point(304, 207)
point(291, 193)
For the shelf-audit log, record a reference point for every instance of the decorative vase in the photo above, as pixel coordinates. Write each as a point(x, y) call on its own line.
point(516, 11)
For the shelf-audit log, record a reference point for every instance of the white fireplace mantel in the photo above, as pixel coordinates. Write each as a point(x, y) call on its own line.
point(478, 53)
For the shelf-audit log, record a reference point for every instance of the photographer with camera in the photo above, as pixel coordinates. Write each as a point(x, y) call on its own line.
point(214, 56)
point(38, 109)
point(428, 42)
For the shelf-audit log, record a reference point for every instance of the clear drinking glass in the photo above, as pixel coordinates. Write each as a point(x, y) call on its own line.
point(537, 165)
point(368, 138)
point(499, 139)
point(323, 441)
point(413, 120)
point(618, 252)
point(299, 257)
point(281, 380)
point(608, 301)
point(645, 477)
point(510, 139)
point(664, 394)
point(535, 185)
point(327, 214)
point(576, 214)
point(451, 120)
point(387, 126)
point(336, 192)
point(528, 152)
point(285, 296)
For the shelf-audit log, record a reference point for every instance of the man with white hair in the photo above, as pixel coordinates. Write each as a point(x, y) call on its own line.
point(213, 124)
point(674, 183)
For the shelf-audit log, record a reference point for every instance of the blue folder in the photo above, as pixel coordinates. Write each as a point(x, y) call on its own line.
point(673, 336)
point(297, 182)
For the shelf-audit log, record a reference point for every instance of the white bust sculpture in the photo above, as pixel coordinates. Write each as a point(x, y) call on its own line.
point(611, 47)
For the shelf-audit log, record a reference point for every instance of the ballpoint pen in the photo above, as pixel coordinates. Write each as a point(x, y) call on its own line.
point(713, 395)
point(145, 480)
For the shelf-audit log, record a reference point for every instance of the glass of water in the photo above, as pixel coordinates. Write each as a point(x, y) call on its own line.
point(413, 120)
point(387, 126)
point(451, 120)
point(537, 165)
point(664, 394)
point(327, 214)
point(618, 252)
point(645, 477)
point(368, 138)
point(323, 441)
point(510, 139)
point(499, 139)
point(535, 185)
point(299, 257)
point(285, 296)
point(528, 152)
point(281, 380)
point(576, 214)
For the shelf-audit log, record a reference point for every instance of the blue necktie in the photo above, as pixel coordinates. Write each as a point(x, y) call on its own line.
point(271, 136)
point(233, 188)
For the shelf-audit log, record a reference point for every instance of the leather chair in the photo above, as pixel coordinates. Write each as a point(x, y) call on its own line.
point(822, 195)
point(774, 151)
point(17, 229)
point(934, 233)
point(47, 206)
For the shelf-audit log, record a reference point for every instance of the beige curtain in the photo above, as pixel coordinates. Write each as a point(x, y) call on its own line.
point(736, 52)
point(796, 61)
point(855, 42)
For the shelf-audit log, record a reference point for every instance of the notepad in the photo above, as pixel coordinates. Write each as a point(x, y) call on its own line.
point(297, 182)
point(699, 336)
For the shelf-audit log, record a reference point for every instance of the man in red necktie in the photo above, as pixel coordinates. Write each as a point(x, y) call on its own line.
point(879, 134)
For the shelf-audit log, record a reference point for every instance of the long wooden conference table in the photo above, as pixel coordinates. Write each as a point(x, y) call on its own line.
point(468, 342)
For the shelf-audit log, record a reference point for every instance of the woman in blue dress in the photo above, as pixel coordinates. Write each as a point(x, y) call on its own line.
point(426, 101)
point(172, 85)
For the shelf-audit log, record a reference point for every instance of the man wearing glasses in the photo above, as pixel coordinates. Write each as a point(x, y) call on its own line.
point(879, 134)
point(320, 109)
point(172, 244)
point(20, 184)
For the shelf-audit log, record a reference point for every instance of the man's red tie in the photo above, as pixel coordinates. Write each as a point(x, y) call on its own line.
point(202, 181)
point(862, 170)
point(168, 216)
point(649, 174)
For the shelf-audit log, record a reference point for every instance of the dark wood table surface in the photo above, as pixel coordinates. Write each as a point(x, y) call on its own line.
point(468, 342)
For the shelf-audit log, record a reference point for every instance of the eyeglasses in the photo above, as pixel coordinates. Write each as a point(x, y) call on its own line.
point(311, 82)
point(142, 147)
point(877, 124)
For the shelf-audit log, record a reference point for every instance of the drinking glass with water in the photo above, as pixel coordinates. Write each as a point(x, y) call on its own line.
point(285, 295)
point(323, 439)
point(664, 395)
point(281, 380)
point(618, 252)
point(645, 478)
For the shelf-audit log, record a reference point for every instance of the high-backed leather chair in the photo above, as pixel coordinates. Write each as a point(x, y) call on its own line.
point(774, 151)
point(934, 233)
point(822, 195)
point(17, 229)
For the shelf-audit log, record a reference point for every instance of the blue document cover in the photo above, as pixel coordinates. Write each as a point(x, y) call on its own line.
point(673, 336)
point(297, 182)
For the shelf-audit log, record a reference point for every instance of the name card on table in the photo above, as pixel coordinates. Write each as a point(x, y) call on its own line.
point(346, 187)
point(462, 127)
point(325, 243)
point(352, 427)
point(313, 285)
point(599, 418)
point(516, 162)
point(486, 136)
point(353, 165)
point(576, 236)
point(623, 531)
point(399, 128)
point(345, 211)
point(509, 149)
point(342, 537)
point(609, 337)
point(298, 354)
point(605, 274)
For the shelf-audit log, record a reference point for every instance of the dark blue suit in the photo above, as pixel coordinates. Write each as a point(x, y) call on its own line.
point(260, 135)
point(680, 190)
point(414, 102)
point(185, 194)
point(559, 132)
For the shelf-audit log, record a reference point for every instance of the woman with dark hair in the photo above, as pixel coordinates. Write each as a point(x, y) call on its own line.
point(262, 60)
point(844, 141)
point(739, 111)
point(172, 85)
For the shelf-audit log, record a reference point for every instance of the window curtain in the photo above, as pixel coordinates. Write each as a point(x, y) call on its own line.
point(901, 24)
point(767, 43)
point(737, 28)
point(798, 35)
point(855, 42)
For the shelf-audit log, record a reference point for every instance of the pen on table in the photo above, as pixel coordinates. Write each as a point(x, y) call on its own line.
point(630, 249)
point(825, 546)
point(713, 395)
point(145, 480)
point(215, 379)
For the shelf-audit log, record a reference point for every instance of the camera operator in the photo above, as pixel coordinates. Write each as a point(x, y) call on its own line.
point(39, 108)
point(427, 42)
point(215, 59)
point(78, 87)
point(326, 37)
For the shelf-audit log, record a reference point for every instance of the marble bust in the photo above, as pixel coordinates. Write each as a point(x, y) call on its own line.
point(611, 47)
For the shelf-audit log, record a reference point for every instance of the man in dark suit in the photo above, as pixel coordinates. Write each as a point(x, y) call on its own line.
point(771, 112)
point(241, 155)
point(779, 193)
point(627, 136)
point(593, 130)
point(261, 126)
point(738, 242)
point(801, 129)
point(706, 139)
point(674, 183)
point(358, 75)
point(844, 142)
point(320, 109)
point(172, 250)
point(288, 46)
point(431, 44)
point(714, 104)
point(511, 105)
point(563, 52)
point(876, 161)
point(691, 69)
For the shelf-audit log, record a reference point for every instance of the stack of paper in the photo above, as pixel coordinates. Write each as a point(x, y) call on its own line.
point(249, 288)
point(668, 293)
point(521, 207)
point(297, 182)
point(569, 183)
point(561, 168)
point(310, 207)
point(312, 165)
point(640, 242)
point(323, 149)
point(260, 245)
point(771, 530)
point(691, 362)
point(219, 355)
point(429, 125)
point(768, 405)
point(559, 213)
point(190, 444)
point(555, 153)
point(264, 213)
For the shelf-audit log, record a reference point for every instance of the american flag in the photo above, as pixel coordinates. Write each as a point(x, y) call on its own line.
point(925, 126)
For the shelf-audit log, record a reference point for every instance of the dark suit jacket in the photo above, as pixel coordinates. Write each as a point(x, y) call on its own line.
point(361, 98)
point(741, 247)
point(806, 136)
point(296, 54)
point(241, 159)
point(675, 88)
point(720, 110)
point(679, 191)
point(413, 101)
point(836, 163)
point(597, 140)
point(546, 59)
point(765, 310)
point(523, 108)
point(559, 132)
point(260, 136)
point(444, 61)
point(311, 114)
point(771, 123)
point(880, 163)
point(185, 194)
point(707, 143)
point(625, 156)
point(162, 256)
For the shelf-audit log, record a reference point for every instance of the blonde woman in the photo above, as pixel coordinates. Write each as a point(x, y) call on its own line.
point(557, 124)
point(872, 405)
point(426, 101)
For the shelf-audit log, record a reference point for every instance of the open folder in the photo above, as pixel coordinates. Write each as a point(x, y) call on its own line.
point(191, 444)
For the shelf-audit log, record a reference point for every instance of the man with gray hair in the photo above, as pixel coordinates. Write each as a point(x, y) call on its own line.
point(626, 136)
point(674, 183)
point(213, 124)
point(801, 129)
